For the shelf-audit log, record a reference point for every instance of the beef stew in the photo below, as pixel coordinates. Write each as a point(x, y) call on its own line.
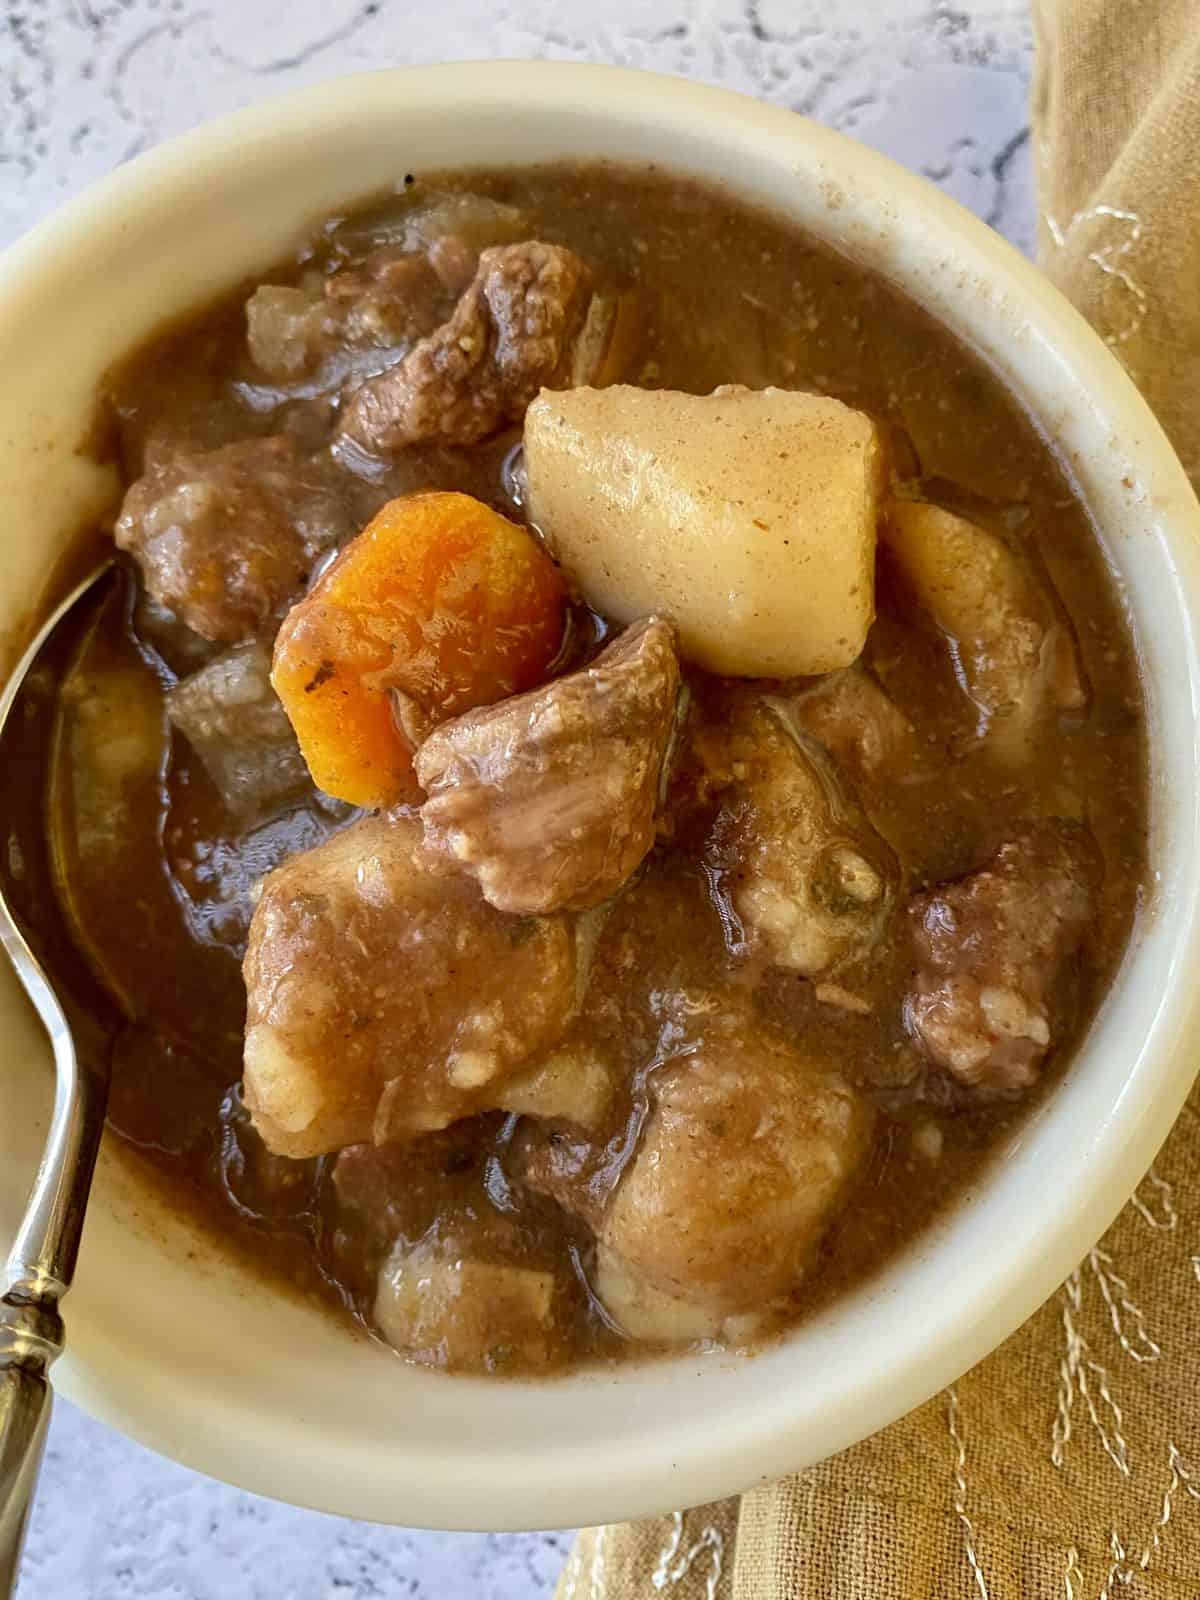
point(630, 776)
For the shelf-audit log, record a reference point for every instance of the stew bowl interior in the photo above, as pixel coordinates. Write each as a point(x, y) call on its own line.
point(177, 1344)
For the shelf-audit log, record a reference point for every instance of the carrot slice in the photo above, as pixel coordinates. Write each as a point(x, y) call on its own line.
point(438, 605)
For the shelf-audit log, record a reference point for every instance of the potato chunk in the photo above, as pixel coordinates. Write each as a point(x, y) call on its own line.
point(643, 1311)
point(445, 1309)
point(383, 1003)
point(1013, 653)
point(745, 1156)
point(571, 1084)
point(747, 516)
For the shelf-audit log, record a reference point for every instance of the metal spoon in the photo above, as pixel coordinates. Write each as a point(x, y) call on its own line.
point(41, 1262)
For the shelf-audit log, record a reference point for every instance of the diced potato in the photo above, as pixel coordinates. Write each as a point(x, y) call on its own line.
point(382, 1003)
point(643, 1311)
point(571, 1084)
point(452, 1311)
point(1014, 654)
point(747, 516)
point(747, 1152)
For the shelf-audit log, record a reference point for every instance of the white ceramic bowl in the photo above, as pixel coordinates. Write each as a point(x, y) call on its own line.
point(177, 1346)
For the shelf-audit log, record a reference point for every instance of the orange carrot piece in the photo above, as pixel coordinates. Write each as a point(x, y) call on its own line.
point(438, 605)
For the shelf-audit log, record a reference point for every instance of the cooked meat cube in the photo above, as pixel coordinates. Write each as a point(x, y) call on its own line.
point(385, 303)
point(513, 331)
point(548, 799)
point(391, 298)
point(401, 283)
point(228, 537)
point(746, 515)
point(232, 718)
point(382, 1003)
point(1012, 650)
point(437, 1305)
point(990, 949)
point(864, 730)
point(746, 1152)
point(806, 877)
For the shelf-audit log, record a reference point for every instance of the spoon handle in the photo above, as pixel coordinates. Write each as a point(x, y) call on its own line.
point(41, 1258)
point(41, 1263)
point(25, 1400)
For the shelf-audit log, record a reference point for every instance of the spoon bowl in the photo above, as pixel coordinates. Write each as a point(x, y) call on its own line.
point(41, 1262)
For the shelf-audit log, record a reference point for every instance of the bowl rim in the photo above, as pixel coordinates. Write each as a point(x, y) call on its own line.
point(693, 1464)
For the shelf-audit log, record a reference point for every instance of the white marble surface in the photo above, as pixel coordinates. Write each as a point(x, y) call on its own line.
point(85, 84)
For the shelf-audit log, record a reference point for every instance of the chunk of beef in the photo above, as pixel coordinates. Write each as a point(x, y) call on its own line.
point(989, 950)
point(385, 303)
point(801, 875)
point(231, 716)
point(548, 799)
point(402, 278)
point(863, 729)
point(513, 332)
point(746, 1152)
point(226, 539)
point(382, 1003)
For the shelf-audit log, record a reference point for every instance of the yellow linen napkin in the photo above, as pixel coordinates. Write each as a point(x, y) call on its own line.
point(1067, 1465)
